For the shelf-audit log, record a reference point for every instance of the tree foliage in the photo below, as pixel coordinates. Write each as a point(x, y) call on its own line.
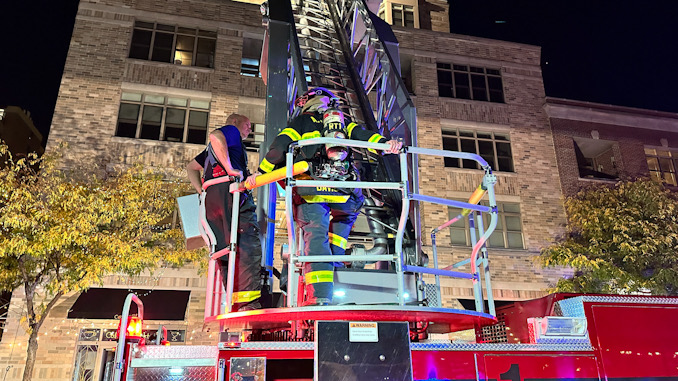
point(64, 230)
point(620, 239)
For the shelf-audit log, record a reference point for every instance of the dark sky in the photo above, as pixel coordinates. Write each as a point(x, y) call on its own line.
point(34, 37)
point(617, 52)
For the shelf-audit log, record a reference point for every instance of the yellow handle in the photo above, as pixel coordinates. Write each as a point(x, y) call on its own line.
point(276, 175)
point(474, 199)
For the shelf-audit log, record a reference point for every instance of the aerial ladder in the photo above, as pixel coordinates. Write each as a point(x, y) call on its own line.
point(345, 48)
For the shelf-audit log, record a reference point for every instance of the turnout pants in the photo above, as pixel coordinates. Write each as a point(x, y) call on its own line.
point(323, 236)
point(218, 202)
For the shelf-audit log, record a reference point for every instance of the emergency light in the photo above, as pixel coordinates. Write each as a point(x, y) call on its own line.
point(557, 328)
point(134, 328)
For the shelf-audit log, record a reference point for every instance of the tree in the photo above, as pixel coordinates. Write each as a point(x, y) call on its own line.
point(620, 239)
point(64, 230)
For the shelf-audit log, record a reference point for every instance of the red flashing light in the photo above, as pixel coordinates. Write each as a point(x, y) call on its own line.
point(134, 328)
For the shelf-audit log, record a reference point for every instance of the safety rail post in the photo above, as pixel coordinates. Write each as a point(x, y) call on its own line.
point(291, 229)
point(477, 288)
point(485, 263)
point(489, 180)
point(401, 228)
point(233, 246)
point(120, 349)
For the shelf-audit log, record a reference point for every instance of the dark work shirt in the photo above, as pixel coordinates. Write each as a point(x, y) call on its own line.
point(236, 152)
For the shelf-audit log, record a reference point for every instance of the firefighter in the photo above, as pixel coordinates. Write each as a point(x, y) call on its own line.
point(314, 206)
point(226, 156)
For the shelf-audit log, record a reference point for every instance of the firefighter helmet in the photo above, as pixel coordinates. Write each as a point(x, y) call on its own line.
point(310, 93)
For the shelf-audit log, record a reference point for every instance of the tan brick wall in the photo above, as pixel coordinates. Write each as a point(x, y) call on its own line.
point(535, 182)
point(97, 66)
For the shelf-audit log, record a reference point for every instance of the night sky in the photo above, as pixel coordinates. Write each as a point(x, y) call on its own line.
point(615, 52)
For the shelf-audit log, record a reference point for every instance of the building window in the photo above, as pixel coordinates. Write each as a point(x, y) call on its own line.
point(595, 159)
point(173, 44)
point(508, 234)
point(662, 163)
point(494, 147)
point(253, 142)
point(402, 15)
point(159, 117)
point(470, 82)
point(251, 54)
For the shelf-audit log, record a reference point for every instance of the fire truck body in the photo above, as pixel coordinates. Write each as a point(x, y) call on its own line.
point(626, 338)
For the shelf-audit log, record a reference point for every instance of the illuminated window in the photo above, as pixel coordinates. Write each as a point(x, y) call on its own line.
point(508, 234)
point(662, 163)
point(159, 117)
point(494, 147)
point(169, 43)
point(402, 15)
point(470, 82)
point(251, 54)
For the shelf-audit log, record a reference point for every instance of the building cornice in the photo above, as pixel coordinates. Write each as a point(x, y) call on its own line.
point(558, 108)
point(169, 18)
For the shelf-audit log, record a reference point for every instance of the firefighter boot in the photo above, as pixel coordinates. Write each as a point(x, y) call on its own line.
point(318, 294)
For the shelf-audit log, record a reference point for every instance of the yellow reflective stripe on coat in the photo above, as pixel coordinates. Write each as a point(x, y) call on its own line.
point(337, 240)
point(266, 166)
point(319, 276)
point(292, 133)
point(350, 128)
point(325, 198)
point(375, 138)
point(245, 296)
point(310, 135)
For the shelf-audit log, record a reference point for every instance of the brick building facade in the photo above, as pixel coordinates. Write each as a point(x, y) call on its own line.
point(597, 142)
point(120, 103)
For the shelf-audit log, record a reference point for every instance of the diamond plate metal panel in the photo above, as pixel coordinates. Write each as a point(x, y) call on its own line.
point(431, 292)
point(570, 347)
point(573, 307)
point(627, 299)
point(172, 374)
point(177, 351)
point(275, 345)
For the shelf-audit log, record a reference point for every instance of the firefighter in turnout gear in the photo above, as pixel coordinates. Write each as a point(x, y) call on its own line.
point(314, 206)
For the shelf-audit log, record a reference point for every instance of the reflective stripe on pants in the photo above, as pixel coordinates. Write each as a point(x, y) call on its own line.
point(314, 221)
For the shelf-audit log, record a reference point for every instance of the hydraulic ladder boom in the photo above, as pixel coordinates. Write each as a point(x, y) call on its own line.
point(342, 46)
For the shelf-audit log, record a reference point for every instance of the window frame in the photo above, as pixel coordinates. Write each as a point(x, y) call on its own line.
point(446, 134)
point(403, 10)
point(502, 226)
point(251, 143)
point(198, 35)
point(248, 69)
point(165, 105)
point(471, 73)
point(658, 175)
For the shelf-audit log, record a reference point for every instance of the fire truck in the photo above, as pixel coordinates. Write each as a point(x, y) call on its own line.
point(387, 320)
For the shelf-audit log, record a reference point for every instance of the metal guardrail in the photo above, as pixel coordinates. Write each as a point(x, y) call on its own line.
point(404, 187)
point(479, 264)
